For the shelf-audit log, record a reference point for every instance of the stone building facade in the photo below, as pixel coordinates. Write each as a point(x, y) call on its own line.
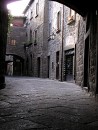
point(86, 45)
point(36, 46)
point(55, 40)
point(85, 51)
point(61, 44)
point(86, 54)
point(15, 51)
point(47, 51)
point(63, 24)
point(77, 41)
point(71, 20)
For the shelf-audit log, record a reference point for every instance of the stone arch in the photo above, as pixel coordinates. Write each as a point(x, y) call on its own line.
point(79, 6)
point(14, 65)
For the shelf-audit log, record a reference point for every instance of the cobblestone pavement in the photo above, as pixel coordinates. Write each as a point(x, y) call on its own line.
point(42, 104)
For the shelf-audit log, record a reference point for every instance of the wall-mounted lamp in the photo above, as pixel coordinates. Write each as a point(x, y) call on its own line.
point(52, 36)
point(11, 25)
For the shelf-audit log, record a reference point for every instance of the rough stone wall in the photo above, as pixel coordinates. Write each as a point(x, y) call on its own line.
point(92, 71)
point(36, 22)
point(45, 40)
point(80, 47)
point(70, 29)
point(37, 51)
point(71, 33)
point(18, 21)
point(55, 44)
point(16, 39)
point(80, 53)
point(19, 35)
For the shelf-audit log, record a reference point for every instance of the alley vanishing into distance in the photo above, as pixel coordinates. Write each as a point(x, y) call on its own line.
point(41, 104)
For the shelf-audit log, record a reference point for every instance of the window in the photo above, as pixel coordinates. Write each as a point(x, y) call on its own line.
point(49, 29)
point(35, 41)
point(87, 22)
point(52, 65)
point(31, 15)
point(26, 34)
point(13, 42)
point(27, 20)
point(58, 22)
point(37, 8)
point(49, 34)
point(72, 12)
point(71, 17)
point(30, 35)
point(26, 23)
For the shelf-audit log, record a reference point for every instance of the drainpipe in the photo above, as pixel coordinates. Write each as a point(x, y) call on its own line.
point(62, 49)
point(96, 91)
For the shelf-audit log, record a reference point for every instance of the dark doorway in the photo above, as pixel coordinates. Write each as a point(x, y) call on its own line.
point(57, 65)
point(18, 66)
point(68, 65)
point(48, 65)
point(86, 63)
point(27, 66)
point(38, 66)
point(17, 70)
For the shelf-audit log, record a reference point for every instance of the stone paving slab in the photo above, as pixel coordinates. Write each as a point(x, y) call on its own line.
point(41, 104)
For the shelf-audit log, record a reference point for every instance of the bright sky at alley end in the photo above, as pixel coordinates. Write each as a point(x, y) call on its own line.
point(17, 8)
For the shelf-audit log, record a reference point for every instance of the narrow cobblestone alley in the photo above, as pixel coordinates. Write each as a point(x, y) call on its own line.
point(42, 104)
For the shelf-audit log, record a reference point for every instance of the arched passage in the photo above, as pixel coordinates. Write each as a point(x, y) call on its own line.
point(80, 7)
point(14, 65)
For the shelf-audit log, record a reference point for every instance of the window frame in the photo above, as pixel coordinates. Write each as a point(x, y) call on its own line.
point(49, 32)
point(31, 35)
point(71, 16)
point(58, 21)
point(35, 37)
point(37, 9)
point(31, 14)
point(13, 42)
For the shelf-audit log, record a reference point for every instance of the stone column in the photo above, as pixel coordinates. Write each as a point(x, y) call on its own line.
point(3, 41)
